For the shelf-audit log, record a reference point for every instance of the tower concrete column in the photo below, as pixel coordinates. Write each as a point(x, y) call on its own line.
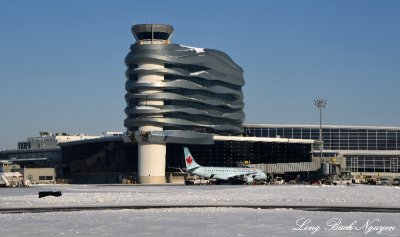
point(151, 156)
point(151, 163)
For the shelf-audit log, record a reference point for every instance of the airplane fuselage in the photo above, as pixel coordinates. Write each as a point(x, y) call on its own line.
point(222, 173)
point(225, 173)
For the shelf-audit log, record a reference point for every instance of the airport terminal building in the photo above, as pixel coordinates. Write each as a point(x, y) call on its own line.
point(110, 159)
point(365, 149)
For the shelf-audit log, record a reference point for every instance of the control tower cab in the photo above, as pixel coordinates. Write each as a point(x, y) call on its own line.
point(152, 33)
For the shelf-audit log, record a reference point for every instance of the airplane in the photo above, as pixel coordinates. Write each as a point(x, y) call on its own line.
point(223, 174)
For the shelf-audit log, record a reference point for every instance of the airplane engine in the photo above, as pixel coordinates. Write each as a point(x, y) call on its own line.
point(249, 180)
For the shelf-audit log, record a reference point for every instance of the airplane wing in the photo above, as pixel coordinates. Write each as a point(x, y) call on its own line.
point(241, 176)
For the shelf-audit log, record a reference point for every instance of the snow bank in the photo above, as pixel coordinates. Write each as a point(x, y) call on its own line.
point(198, 50)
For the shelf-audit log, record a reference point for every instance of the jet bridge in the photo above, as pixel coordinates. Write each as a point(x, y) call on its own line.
point(281, 168)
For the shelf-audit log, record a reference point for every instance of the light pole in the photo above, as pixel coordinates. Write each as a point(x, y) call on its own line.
point(320, 104)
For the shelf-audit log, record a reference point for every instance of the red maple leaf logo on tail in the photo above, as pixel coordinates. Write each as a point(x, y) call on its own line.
point(189, 159)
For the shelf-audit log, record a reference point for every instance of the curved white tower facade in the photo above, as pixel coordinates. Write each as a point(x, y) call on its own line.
point(151, 156)
point(177, 91)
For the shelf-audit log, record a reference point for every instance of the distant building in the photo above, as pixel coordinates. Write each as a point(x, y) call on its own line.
point(44, 150)
point(363, 149)
point(13, 175)
point(49, 140)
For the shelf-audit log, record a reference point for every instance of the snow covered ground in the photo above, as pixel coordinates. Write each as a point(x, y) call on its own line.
point(201, 221)
point(74, 195)
point(195, 222)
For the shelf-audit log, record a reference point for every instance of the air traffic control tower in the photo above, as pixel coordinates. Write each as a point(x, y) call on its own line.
point(177, 94)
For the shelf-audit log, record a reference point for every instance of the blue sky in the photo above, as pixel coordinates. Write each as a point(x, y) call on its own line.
point(62, 62)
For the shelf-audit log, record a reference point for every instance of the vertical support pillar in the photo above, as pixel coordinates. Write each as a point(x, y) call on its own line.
point(151, 156)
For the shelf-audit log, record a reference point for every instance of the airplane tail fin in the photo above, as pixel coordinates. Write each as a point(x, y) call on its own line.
point(189, 160)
